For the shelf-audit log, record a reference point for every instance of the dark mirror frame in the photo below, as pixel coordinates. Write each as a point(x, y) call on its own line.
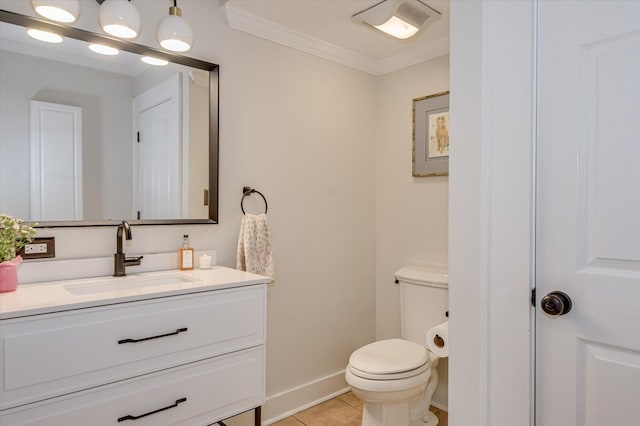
point(214, 77)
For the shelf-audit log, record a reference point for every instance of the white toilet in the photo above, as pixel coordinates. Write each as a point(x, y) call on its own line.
point(396, 378)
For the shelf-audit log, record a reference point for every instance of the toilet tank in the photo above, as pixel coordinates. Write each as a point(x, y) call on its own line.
point(423, 300)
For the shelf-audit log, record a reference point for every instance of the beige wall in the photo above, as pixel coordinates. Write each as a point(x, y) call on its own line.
point(411, 212)
point(330, 148)
point(297, 128)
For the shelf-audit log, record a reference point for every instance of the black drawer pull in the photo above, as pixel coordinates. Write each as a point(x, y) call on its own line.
point(178, 331)
point(130, 417)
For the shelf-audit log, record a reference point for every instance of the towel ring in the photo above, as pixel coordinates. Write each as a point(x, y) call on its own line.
point(246, 191)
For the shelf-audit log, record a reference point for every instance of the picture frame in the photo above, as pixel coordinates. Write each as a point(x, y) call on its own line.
point(431, 135)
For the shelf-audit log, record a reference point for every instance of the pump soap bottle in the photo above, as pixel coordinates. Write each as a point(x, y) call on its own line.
point(185, 255)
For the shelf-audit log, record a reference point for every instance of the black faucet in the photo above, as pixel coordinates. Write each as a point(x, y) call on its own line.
point(119, 259)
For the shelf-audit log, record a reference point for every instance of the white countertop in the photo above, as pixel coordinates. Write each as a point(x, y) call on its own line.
point(55, 296)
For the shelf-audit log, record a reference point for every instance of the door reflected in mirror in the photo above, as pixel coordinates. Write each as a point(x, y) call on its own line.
point(93, 137)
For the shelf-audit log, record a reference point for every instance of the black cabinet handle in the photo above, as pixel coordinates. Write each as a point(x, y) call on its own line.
point(130, 417)
point(178, 331)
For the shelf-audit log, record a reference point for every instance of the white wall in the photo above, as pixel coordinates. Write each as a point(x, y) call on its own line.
point(411, 212)
point(298, 129)
point(467, 295)
point(104, 188)
point(491, 212)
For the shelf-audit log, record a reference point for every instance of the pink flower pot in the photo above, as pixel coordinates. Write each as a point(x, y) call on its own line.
point(9, 275)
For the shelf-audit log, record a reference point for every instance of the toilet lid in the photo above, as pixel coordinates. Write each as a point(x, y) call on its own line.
point(389, 357)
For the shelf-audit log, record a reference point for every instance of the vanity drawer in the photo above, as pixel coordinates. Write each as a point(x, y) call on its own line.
point(202, 392)
point(49, 355)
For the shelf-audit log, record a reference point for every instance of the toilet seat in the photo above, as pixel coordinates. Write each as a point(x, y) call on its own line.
point(391, 359)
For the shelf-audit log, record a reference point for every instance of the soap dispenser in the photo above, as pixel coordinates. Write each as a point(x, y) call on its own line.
point(185, 255)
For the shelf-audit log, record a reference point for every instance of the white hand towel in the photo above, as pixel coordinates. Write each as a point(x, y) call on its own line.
point(254, 245)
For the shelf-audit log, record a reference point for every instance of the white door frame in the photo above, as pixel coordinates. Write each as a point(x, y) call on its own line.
point(38, 205)
point(491, 212)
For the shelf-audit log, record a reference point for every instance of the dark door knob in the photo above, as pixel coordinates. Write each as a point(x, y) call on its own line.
point(556, 303)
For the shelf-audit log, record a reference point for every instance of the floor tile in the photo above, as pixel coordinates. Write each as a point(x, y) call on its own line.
point(443, 416)
point(289, 421)
point(331, 413)
point(351, 399)
point(344, 410)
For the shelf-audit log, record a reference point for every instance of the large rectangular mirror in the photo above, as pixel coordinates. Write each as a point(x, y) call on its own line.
point(91, 139)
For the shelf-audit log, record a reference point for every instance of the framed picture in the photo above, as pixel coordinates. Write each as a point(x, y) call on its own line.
point(431, 135)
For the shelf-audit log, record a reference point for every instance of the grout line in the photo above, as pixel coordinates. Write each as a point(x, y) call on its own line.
point(300, 421)
point(337, 399)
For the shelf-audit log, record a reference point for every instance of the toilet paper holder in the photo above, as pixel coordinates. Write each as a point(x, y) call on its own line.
point(437, 340)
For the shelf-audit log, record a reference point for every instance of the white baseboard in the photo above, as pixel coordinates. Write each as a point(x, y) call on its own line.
point(439, 406)
point(291, 401)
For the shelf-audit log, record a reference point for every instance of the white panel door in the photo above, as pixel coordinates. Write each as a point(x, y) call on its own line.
point(159, 156)
point(588, 213)
point(159, 181)
point(56, 161)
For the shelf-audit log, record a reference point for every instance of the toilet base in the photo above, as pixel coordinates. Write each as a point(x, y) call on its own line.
point(429, 420)
point(373, 416)
point(401, 413)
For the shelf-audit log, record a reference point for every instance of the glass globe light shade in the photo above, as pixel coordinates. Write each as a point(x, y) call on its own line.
point(57, 10)
point(45, 36)
point(103, 50)
point(120, 18)
point(154, 61)
point(174, 33)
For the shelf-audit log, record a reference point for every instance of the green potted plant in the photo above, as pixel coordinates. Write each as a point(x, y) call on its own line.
point(14, 234)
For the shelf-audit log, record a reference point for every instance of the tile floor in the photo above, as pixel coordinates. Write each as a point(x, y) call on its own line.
point(344, 410)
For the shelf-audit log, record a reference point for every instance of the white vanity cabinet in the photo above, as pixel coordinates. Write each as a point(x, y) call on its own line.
point(184, 359)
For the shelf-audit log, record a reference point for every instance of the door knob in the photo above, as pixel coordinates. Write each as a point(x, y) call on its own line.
point(556, 304)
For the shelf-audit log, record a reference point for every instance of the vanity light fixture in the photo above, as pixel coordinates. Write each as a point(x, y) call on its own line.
point(154, 61)
point(399, 18)
point(45, 36)
point(103, 50)
point(173, 32)
point(57, 10)
point(120, 18)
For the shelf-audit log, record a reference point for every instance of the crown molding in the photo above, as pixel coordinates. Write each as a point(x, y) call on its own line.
point(413, 56)
point(269, 30)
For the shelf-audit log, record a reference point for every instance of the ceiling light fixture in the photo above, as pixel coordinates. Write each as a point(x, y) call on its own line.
point(120, 18)
point(399, 18)
point(103, 50)
point(57, 10)
point(45, 36)
point(173, 32)
point(154, 61)
point(397, 28)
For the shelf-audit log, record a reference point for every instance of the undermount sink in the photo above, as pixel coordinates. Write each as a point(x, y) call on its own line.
point(129, 283)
